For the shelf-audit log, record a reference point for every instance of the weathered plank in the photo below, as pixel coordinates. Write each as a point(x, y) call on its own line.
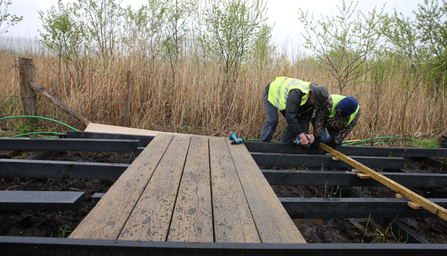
point(233, 222)
point(193, 216)
point(273, 222)
point(107, 219)
point(151, 217)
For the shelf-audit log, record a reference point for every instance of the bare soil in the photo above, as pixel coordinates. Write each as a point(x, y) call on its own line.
point(60, 223)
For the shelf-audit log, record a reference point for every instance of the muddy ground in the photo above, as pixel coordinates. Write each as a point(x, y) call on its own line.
point(60, 223)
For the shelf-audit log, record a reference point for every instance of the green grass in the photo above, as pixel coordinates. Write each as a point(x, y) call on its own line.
point(426, 143)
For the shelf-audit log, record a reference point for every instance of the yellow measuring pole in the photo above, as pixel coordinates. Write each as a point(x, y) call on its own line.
point(407, 193)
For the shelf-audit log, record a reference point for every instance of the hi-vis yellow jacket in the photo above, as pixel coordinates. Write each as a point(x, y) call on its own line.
point(280, 88)
point(335, 100)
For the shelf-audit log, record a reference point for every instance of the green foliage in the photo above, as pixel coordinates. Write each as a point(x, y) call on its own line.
point(82, 28)
point(423, 40)
point(231, 30)
point(64, 34)
point(178, 25)
point(143, 28)
point(263, 50)
point(343, 43)
point(426, 143)
point(10, 20)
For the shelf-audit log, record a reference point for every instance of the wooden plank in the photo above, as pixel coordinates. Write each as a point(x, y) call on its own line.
point(151, 217)
point(398, 188)
point(107, 219)
point(193, 216)
point(273, 222)
point(57, 103)
point(103, 128)
point(233, 222)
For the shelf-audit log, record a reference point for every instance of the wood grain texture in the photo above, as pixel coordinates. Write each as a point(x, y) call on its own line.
point(398, 188)
point(272, 221)
point(192, 220)
point(233, 222)
point(151, 217)
point(107, 219)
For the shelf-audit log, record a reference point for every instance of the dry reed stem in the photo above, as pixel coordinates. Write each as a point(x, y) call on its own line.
point(198, 101)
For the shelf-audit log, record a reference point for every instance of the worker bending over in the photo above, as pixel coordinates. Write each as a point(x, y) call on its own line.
point(296, 100)
point(339, 115)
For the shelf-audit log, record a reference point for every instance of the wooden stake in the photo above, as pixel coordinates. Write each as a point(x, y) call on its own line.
point(56, 102)
point(414, 205)
point(129, 89)
point(407, 193)
point(363, 176)
point(26, 92)
point(399, 196)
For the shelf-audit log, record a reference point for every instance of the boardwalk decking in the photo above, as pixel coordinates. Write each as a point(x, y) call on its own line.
point(191, 189)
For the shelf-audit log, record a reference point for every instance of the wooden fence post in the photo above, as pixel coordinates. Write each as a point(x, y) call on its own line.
point(27, 94)
point(129, 87)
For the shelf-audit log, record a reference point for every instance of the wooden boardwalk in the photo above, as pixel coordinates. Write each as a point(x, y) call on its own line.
point(191, 189)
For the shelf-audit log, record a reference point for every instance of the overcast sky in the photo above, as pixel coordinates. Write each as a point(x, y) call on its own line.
point(283, 13)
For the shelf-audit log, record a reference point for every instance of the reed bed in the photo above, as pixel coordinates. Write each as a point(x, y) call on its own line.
point(195, 99)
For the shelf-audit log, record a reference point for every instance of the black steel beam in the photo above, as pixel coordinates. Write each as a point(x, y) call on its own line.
point(41, 200)
point(59, 169)
point(284, 148)
point(38, 246)
point(407, 234)
point(350, 179)
point(50, 144)
point(430, 161)
point(323, 208)
point(112, 171)
point(144, 140)
point(324, 161)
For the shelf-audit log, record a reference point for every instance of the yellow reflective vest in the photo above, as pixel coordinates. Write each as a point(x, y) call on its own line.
point(280, 88)
point(335, 100)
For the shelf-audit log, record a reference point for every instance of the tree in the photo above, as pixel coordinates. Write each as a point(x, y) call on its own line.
point(423, 40)
point(230, 31)
point(143, 29)
point(178, 14)
point(85, 26)
point(64, 35)
point(10, 20)
point(343, 43)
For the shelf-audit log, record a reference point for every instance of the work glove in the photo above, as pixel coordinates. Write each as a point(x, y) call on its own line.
point(316, 143)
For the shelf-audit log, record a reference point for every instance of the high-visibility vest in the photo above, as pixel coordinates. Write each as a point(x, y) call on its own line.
point(280, 88)
point(335, 100)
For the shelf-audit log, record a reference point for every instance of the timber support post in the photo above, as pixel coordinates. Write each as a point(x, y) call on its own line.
point(27, 95)
point(129, 89)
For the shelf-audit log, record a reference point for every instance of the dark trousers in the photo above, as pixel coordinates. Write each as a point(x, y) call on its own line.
point(272, 122)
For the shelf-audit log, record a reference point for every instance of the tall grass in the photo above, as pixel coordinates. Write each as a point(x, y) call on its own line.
point(198, 101)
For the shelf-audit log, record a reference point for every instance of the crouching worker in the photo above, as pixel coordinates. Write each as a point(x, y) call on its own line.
point(295, 99)
point(339, 115)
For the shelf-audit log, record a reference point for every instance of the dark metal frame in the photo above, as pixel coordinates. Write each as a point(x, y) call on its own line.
point(265, 154)
point(59, 246)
